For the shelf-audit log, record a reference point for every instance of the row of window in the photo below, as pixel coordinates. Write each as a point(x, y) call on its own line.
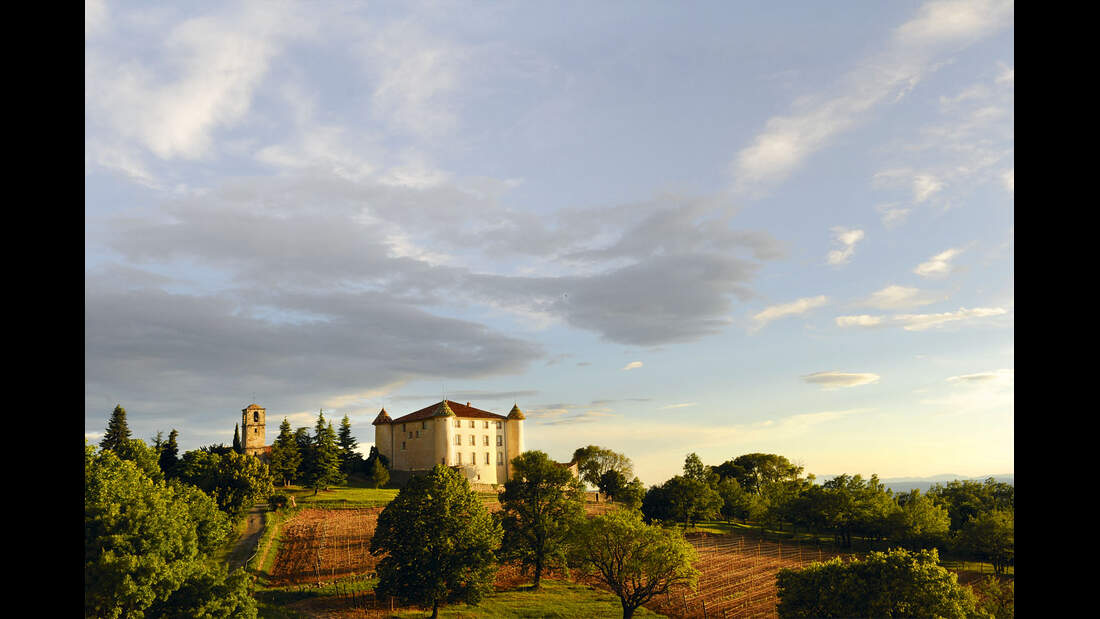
point(485, 440)
point(473, 458)
point(458, 424)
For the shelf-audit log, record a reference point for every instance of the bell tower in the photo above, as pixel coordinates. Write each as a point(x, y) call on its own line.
point(253, 429)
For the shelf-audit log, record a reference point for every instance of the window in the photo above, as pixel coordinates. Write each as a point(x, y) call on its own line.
point(423, 425)
point(471, 423)
point(486, 425)
point(498, 425)
point(472, 441)
point(500, 458)
point(402, 445)
point(458, 440)
point(402, 427)
point(486, 457)
point(418, 434)
point(473, 458)
point(459, 461)
point(486, 443)
point(410, 434)
point(458, 424)
point(443, 460)
point(255, 430)
point(500, 440)
point(255, 416)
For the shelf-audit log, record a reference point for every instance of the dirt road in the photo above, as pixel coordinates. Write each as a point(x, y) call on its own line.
point(251, 536)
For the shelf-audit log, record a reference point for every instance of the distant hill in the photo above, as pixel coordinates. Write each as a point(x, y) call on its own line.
point(905, 484)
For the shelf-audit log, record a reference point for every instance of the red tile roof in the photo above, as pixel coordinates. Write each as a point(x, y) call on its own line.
point(460, 410)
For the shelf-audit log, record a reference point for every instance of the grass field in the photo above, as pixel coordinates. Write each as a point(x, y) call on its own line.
point(557, 599)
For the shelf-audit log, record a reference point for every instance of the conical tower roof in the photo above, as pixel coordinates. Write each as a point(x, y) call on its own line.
point(382, 417)
point(516, 413)
point(443, 410)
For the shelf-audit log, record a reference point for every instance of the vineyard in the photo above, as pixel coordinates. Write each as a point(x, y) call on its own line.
point(737, 573)
point(737, 577)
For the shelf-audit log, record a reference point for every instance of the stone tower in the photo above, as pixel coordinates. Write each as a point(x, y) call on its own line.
point(253, 429)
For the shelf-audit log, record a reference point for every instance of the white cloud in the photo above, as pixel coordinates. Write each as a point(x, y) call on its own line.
point(632, 365)
point(1009, 180)
point(787, 141)
point(848, 239)
point(900, 297)
point(683, 405)
point(839, 380)
point(938, 265)
point(924, 185)
point(1003, 375)
point(863, 320)
point(920, 322)
point(793, 308)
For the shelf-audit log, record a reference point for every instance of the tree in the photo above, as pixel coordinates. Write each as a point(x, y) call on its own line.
point(237, 447)
point(758, 469)
point(373, 455)
point(612, 483)
point(305, 447)
point(169, 454)
point(323, 466)
point(236, 481)
point(691, 500)
point(736, 503)
point(147, 545)
point(285, 457)
point(144, 457)
point(439, 542)
point(695, 469)
point(919, 522)
point(118, 431)
point(593, 461)
point(965, 499)
point(635, 560)
point(897, 583)
point(631, 496)
point(991, 536)
point(540, 506)
point(349, 458)
point(996, 597)
point(377, 474)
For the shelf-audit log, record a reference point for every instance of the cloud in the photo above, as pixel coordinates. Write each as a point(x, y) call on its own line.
point(683, 405)
point(938, 265)
point(919, 322)
point(788, 140)
point(794, 308)
point(1008, 179)
point(838, 380)
point(632, 365)
point(1003, 375)
point(900, 297)
point(924, 185)
point(848, 239)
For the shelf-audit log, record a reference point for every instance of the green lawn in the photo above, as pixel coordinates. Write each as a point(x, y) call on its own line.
point(557, 599)
point(354, 494)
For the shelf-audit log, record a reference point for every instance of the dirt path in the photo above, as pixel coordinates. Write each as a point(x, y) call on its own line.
point(251, 536)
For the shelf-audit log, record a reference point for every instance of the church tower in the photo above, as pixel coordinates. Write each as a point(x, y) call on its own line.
point(253, 429)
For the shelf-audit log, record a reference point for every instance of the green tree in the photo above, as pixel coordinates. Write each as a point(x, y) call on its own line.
point(540, 506)
point(323, 465)
point(631, 496)
point(593, 461)
point(169, 454)
point(304, 442)
point(438, 542)
point(236, 481)
point(695, 469)
point(758, 469)
point(897, 583)
point(635, 560)
point(612, 484)
point(350, 460)
point(991, 536)
point(146, 542)
point(374, 454)
point(285, 456)
point(736, 503)
point(965, 499)
point(996, 598)
point(144, 457)
point(377, 474)
point(691, 500)
point(919, 522)
point(210, 592)
point(237, 447)
point(118, 431)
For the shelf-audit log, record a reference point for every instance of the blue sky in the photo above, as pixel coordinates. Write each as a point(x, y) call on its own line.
point(662, 228)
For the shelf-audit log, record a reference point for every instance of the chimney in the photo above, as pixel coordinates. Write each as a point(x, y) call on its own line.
point(467, 405)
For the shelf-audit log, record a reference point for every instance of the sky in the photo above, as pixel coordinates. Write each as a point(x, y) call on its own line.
point(661, 228)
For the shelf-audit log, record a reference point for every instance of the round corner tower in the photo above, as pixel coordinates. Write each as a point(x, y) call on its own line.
point(254, 429)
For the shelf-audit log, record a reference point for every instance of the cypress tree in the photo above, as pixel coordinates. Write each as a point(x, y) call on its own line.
point(118, 432)
point(237, 439)
point(347, 445)
point(169, 454)
point(285, 456)
point(324, 469)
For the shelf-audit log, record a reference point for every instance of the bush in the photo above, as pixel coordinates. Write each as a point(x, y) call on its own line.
point(278, 500)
